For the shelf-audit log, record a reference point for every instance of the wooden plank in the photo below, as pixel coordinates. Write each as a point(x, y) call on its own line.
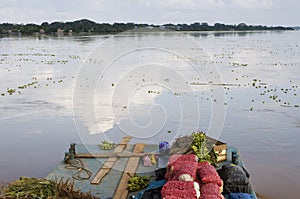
point(103, 171)
point(132, 164)
point(107, 155)
point(134, 161)
point(119, 148)
point(109, 163)
point(125, 140)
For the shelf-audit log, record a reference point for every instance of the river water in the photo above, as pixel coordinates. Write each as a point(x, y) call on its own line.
point(242, 88)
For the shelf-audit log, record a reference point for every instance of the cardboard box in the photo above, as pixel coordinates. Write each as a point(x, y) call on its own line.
point(220, 148)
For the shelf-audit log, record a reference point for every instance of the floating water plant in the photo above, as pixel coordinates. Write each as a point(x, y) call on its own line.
point(22, 87)
point(238, 64)
point(11, 91)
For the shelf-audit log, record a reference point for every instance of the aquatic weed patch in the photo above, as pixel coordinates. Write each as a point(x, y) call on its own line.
point(41, 188)
point(33, 83)
point(31, 187)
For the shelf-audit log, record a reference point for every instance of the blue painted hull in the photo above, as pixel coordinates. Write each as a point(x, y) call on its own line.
point(110, 182)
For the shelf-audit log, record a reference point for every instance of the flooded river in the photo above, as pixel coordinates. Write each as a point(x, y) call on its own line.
point(242, 88)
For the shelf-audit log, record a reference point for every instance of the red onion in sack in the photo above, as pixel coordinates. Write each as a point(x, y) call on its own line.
point(201, 164)
point(178, 168)
point(179, 185)
point(188, 193)
point(210, 189)
point(219, 196)
point(208, 174)
point(182, 187)
point(178, 157)
point(185, 171)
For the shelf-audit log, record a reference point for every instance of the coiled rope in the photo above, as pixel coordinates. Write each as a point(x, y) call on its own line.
point(82, 173)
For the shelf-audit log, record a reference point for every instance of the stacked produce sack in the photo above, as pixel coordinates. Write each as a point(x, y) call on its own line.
point(189, 179)
point(181, 176)
point(211, 185)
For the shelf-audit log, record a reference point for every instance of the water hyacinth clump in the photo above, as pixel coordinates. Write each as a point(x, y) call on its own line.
point(31, 187)
point(27, 187)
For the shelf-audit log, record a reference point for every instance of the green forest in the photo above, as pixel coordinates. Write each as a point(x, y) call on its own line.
point(85, 26)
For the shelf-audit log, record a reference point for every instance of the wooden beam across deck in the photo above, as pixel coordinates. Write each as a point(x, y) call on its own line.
point(109, 163)
point(132, 164)
point(108, 155)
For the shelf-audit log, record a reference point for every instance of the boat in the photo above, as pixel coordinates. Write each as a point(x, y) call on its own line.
point(105, 173)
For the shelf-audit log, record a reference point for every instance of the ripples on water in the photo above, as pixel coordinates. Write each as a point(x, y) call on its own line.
point(260, 72)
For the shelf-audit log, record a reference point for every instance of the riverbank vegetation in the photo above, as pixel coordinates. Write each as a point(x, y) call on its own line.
point(89, 27)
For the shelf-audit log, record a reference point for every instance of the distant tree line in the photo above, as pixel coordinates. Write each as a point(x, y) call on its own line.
point(222, 27)
point(85, 26)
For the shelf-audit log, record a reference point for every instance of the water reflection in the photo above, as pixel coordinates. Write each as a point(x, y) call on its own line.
point(205, 34)
point(119, 67)
point(262, 117)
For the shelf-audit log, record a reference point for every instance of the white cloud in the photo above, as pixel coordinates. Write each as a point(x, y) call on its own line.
point(189, 4)
point(253, 4)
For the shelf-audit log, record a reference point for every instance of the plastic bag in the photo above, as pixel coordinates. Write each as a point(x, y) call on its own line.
point(235, 179)
point(238, 196)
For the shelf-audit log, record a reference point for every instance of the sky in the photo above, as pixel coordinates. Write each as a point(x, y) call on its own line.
point(254, 12)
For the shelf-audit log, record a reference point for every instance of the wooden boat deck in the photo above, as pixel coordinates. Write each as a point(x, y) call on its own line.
point(110, 185)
